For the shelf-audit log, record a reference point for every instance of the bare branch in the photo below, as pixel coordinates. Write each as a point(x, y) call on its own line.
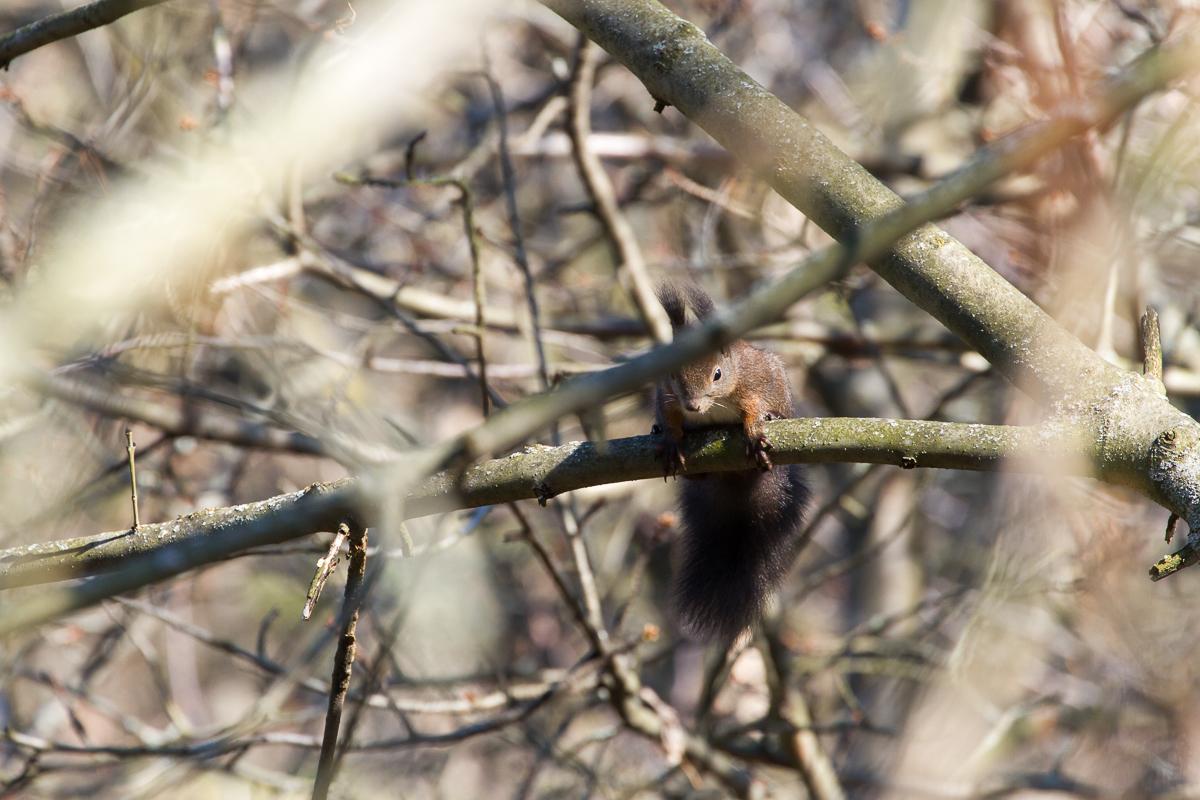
point(65, 25)
point(343, 664)
point(616, 226)
point(540, 472)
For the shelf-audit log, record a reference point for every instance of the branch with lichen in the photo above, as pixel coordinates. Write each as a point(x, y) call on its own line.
point(540, 472)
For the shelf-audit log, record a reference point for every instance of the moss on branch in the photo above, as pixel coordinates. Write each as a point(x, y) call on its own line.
point(537, 472)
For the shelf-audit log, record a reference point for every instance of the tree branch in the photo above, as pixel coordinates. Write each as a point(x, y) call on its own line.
point(65, 25)
point(343, 664)
point(174, 420)
point(616, 227)
point(540, 473)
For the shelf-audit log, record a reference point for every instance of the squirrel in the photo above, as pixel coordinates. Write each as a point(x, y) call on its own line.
point(740, 529)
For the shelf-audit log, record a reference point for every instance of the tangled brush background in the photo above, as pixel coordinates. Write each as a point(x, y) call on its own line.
point(237, 229)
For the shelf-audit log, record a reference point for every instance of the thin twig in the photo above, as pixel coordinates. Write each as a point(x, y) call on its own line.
point(1151, 341)
point(325, 568)
point(616, 226)
point(130, 447)
point(543, 556)
point(467, 199)
point(343, 663)
point(480, 290)
point(587, 576)
point(103, 398)
point(465, 697)
point(509, 181)
point(813, 763)
point(490, 398)
point(374, 677)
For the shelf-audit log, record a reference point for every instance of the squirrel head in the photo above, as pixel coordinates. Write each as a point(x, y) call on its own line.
point(700, 384)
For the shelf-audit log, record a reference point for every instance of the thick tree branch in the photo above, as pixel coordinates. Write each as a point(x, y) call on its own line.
point(540, 473)
point(65, 25)
point(158, 551)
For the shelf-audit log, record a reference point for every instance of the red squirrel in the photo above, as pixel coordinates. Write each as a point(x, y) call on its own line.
point(740, 529)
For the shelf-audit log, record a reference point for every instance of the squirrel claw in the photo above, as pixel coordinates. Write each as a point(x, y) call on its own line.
point(758, 448)
point(672, 458)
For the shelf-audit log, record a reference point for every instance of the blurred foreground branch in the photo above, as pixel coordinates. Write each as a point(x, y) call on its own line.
point(65, 25)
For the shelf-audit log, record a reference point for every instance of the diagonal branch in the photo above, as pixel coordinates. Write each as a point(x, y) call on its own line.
point(591, 171)
point(65, 25)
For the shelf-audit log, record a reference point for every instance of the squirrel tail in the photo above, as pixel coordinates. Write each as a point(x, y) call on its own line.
point(676, 301)
point(741, 535)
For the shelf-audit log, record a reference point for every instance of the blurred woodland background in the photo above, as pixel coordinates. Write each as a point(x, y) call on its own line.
point(945, 634)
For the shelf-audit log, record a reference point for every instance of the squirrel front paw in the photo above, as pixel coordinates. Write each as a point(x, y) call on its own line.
point(757, 446)
point(672, 457)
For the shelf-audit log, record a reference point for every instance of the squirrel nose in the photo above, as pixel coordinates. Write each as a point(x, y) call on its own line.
point(692, 405)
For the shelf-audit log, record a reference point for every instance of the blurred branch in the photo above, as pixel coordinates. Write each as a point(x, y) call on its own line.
point(544, 558)
point(384, 291)
point(175, 420)
point(461, 697)
point(64, 137)
point(221, 743)
point(65, 25)
point(788, 703)
point(616, 226)
point(467, 199)
point(540, 472)
point(508, 178)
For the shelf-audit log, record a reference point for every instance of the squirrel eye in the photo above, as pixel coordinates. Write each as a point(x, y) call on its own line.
point(717, 375)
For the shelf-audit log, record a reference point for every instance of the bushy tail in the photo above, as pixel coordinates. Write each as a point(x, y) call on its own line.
point(741, 535)
point(675, 301)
